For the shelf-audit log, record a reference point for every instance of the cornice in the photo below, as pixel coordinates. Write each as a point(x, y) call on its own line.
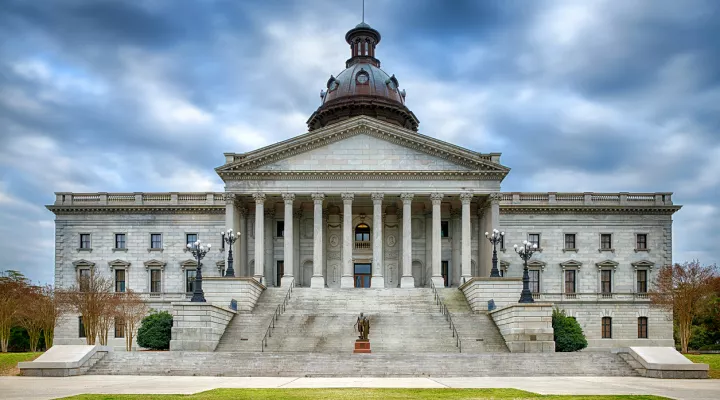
point(135, 209)
point(363, 175)
point(587, 209)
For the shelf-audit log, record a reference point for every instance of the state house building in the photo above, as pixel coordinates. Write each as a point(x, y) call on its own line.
point(362, 199)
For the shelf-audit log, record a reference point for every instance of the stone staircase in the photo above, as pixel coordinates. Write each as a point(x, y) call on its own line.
point(477, 331)
point(246, 330)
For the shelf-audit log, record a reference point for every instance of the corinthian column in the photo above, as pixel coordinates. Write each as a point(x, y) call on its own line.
point(317, 281)
point(347, 277)
point(377, 280)
point(242, 268)
point(465, 199)
point(407, 280)
point(288, 250)
point(259, 235)
point(436, 199)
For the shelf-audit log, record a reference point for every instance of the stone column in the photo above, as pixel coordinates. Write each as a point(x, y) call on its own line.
point(437, 279)
point(242, 250)
point(465, 199)
point(454, 273)
point(482, 241)
point(288, 249)
point(407, 280)
point(347, 280)
point(230, 217)
point(427, 268)
point(377, 280)
point(297, 273)
point(259, 235)
point(317, 281)
point(269, 270)
point(492, 220)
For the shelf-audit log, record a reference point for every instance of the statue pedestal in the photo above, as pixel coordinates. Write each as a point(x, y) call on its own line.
point(362, 346)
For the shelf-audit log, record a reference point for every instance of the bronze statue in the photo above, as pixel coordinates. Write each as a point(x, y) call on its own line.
point(362, 325)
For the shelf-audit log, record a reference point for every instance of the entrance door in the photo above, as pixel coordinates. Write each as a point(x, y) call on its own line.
point(279, 272)
point(362, 275)
point(445, 269)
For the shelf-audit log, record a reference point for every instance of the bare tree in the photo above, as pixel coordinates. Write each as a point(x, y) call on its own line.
point(685, 290)
point(131, 310)
point(89, 298)
point(12, 286)
point(29, 316)
point(49, 309)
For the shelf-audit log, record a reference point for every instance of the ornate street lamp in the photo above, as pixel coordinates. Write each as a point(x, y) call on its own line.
point(229, 238)
point(198, 251)
point(495, 238)
point(525, 252)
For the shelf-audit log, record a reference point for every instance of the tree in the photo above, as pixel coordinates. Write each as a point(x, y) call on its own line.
point(131, 309)
point(155, 331)
point(686, 290)
point(90, 298)
point(568, 334)
point(49, 309)
point(12, 287)
point(29, 316)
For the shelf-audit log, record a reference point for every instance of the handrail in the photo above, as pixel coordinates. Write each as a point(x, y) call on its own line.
point(448, 317)
point(278, 311)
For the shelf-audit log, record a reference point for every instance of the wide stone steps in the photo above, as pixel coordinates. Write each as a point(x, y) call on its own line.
point(359, 365)
point(477, 331)
point(245, 330)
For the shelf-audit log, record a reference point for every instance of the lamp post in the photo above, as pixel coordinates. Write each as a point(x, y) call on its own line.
point(525, 252)
point(198, 251)
point(229, 238)
point(495, 238)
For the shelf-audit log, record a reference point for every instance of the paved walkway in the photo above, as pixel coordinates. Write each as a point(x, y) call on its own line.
point(49, 388)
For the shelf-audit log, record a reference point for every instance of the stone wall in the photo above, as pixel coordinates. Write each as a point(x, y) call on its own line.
point(526, 328)
point(221, 291)
point(503, 291)
point(198, 326)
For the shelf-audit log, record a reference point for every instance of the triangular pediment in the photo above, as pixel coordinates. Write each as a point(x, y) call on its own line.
point(363, 144)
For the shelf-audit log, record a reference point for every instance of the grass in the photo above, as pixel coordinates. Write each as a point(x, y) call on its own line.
point(9, 361)
point(365, 394)
point(713, 360)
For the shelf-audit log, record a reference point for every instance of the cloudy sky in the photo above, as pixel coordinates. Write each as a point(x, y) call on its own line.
point(588, 95)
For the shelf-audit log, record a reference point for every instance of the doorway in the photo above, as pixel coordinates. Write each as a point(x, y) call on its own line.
point(279, 272)
point(363, 272)
point(444, 271)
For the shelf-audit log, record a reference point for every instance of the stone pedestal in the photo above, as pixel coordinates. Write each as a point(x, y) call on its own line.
point(347, 282)
point(407, 282)
point(377, 282)
point(317, 282)
point(362, 346)
point(286, 281)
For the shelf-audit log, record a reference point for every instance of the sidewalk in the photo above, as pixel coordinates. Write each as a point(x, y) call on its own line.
point(48, 388)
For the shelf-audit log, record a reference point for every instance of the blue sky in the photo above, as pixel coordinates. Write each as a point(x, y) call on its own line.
point(592, 95)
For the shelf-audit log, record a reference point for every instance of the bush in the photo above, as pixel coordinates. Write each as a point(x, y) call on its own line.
point(19, 341)
point(713, 347)
point(568, 334)
point(154, 333)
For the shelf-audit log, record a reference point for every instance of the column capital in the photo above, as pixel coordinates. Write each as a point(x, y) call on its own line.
point(318, 197)
point(436, 198)
point(466, 197)
point(259, 198)
point(494, 197)
point(377, 197)
point(407, 197)
point(347, 197)
point(289, 198)
point(230, 198)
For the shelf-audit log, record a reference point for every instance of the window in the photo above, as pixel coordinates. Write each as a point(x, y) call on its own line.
point(605, 241)
point(190, 280)
point(84, 240)
point(155, 281)
point(607, 328)
point(120, 280)
point(502, 242)
point(606, 281)
point(570, 241)
point(120, 241)
point(81, 327)
point(190, 238)
point(534, 238)
point(156, 241)
point(642, 281)
point(119, 328)
point(84, 278)
point(444, 229)
point(280, 229)
point(362, 233)
point(641, 241)
point(534, 280)
point(570, 281)
point(642, 328)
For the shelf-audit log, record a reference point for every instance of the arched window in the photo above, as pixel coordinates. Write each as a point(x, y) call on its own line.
point(362, 233)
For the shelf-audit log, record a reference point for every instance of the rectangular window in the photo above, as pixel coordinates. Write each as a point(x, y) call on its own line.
point(502, 242)
point(155, 281)
point(119, 328)
point(606, 281)
point(120, 280)
point(570, 241)
point(605, 241)
point(570, 281)
point(642, 281)
point(280, 229)
point(190, 280)
point(445, 272)
point(81, 327)
point(534, 280)
point(641, 241)
point(642, 328)
point(84, 240)
point(156, 241)
point(84, 278)
point(444, 229)
point(119, 240)
point(534, 238)
point(607, 328)
point(191, 238)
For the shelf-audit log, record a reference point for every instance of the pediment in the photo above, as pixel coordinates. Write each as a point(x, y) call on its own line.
point(154, 264)
point(536, 264)
point(571, 263)
point(118, 264)
point(643, 264)
point(83, 263)
point(189, 263)
point(362, 144)
point(607, 264)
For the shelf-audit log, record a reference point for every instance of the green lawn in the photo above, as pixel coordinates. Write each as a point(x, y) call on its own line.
point(8, 362)
point(713, 360)
point(365, 394)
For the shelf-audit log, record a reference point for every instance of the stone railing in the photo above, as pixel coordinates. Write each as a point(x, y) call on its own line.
point(615, 296)
point(137, 198)
point(587, 198)
point(363, 245)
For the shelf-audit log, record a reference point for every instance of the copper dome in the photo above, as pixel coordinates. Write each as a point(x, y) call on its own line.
point(363, 88)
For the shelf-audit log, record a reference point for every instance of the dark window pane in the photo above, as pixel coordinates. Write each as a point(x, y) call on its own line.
point(606, 280)
point(119, 328)
point(642, 328)
point(155, 283)
point(534, 238)
point(642, 281)
point(190, 280)
point(84, 240)
point(362, 233)
point(641, 242)
point(120, 280)
point(534, 280)
point(191, 238)
point(119, 240)
point(606, 328)
point(570, 241)
point(444, 229)
point(84, 278)
point(363, 268)
point(156, 241)
point(606, 241)
point(280, 228)
point(502, 241)
point(570, 281)
point(81, 327)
